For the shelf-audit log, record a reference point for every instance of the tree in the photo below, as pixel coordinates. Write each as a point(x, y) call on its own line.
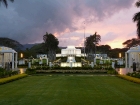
point(51, 45)
point(10, 43)
point(5, 2)
point(104, 49)
point(114, 53)
point(131, 42)
point(91, 42)
point(136, 18)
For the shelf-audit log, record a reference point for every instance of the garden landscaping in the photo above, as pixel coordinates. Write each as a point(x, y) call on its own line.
point(55, 89)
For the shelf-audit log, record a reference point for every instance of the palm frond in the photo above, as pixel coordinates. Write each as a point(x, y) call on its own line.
point(5, 2)
point(136, 17)
point(137, 3)
point(138, 29)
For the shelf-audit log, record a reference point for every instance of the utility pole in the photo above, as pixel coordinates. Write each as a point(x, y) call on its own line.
point(95, 48)
point(84, 40)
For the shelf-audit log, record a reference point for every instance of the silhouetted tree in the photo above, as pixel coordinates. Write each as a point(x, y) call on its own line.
point(91, 42)
point(104, 49)
point(51, 45)
point(131, 42)
point(5, 2)
point(136, 19)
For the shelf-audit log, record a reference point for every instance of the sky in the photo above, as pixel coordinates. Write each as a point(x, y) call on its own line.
point(28, 20)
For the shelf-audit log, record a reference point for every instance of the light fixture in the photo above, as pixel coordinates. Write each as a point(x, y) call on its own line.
point(120, 55)
point(21, 55)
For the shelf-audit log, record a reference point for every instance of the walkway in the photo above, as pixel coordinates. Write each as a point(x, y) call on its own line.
point(124, 71)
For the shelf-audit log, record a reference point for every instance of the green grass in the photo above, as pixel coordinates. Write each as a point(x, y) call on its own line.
point(70, 90)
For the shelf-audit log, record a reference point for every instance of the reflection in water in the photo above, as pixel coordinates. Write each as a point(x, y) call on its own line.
point(22, 70)
point(124, 71)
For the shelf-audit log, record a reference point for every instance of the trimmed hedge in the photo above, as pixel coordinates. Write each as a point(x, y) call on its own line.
point(12, 78)
point(30, 71)
point(7, 73)
point(112, 72)
point(135, 74)
point(132, 79)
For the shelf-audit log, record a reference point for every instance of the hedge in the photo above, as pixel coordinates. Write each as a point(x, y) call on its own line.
point(12, 78)
point(132, 79)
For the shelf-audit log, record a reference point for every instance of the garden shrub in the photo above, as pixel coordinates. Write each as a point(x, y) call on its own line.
point(134, 74)
point(112, 71)
point(23, 66)
point(78, 59)
point(7, 73)
point(30, 71)
point(12, 78)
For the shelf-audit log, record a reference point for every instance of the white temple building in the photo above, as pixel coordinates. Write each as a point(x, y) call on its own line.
point(71, 52)
point(132, 55)
point(8, 55)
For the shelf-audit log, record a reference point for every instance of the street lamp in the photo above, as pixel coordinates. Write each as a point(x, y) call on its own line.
point(95, 48)
point(84, 40)
point(120, 55)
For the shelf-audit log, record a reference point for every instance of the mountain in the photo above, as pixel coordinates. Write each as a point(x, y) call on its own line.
point(28, 46)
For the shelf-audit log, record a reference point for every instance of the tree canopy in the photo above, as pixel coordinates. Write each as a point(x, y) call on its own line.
point(91, 42)
point(51, 45)
point(136, 18)
point(131, 42)
point(5, 2)
point(104, 49)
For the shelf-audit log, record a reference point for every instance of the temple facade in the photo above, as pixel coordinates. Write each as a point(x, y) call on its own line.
point(71, 52)
point(8, 55)
point(132, 55)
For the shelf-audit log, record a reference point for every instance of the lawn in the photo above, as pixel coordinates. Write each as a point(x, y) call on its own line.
point(70, 90)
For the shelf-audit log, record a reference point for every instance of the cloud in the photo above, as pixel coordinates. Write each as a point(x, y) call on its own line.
point(28, 20)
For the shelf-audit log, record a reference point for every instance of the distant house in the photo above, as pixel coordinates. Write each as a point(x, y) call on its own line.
point(99, 56)
point(43, 56)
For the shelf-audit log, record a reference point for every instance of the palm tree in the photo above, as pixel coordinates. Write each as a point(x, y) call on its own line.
point(5, 2)
point(136, 18)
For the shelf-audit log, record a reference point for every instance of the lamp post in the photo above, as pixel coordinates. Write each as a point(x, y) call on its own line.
point(95, 49)
point(84, 40)
point(120, 55)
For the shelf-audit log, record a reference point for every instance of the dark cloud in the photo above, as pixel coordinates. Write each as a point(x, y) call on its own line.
point(28, 20)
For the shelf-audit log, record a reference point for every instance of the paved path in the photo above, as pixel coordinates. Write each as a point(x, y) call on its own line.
point(124, 71)
point(22, 70)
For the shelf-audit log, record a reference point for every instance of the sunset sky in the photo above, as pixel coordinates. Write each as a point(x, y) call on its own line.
point(28, 20)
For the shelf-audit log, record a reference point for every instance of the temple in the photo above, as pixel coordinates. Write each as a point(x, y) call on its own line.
point(8, 55)
point(132, 55)
point(70, 52)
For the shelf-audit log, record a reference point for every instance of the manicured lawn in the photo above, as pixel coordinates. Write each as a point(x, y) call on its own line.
point(70, 90)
